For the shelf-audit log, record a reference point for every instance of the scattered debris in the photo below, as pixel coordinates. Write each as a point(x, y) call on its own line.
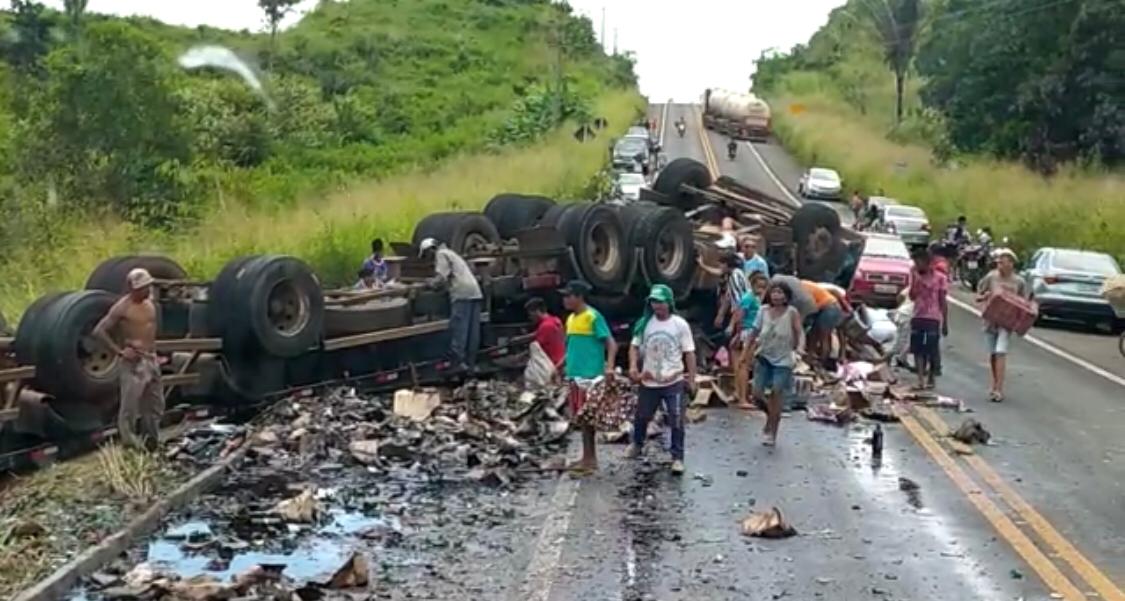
point(416, 404)
point(913, 491)
point(365, 451)
point(350, 575)
point(880, 413)
point(767, 524)
point(302, 509)
point(949, 403)
point(830, 413)
point(694, 415)
point(971, 432)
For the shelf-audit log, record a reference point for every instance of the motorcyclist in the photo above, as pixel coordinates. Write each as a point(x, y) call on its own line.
point(958, 234)
point(681, 126)
point(732, 148)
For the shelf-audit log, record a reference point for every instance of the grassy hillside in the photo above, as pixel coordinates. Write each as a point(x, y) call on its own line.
point(834, 104)
point(375, 111)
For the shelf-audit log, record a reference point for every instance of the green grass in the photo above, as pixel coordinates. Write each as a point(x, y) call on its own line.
point(331, 232)
point(1075, 208)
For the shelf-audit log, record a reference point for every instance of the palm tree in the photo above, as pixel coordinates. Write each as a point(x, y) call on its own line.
point(896, 23)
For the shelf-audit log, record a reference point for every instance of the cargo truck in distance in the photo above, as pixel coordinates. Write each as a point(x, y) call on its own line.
point(740, 115)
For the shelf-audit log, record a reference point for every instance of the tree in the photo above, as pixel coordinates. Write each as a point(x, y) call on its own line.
point(275, 11)
point(74, 10)
point(106, 126)
point(896, 22)
point(29, 40)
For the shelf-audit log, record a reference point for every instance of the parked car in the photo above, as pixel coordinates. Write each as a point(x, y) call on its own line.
point(883, 271)
point(632, 154)
point(822, 183)
point(1067, 285)
point(628, 186)
point(909, 223)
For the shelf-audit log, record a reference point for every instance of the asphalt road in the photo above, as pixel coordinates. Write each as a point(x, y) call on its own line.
point(1037, 514)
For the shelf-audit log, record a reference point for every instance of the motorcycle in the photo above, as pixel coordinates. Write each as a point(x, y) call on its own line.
point(732, 150)
point(681, 127)
point(973, 264)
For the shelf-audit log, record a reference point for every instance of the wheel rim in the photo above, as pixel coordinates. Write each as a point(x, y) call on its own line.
point(604, 253)
point(670, 253)
point(287, 309)
point(474, 244)
point(96, 359)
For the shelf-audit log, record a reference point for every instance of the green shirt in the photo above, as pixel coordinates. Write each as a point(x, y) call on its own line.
point(586, 333)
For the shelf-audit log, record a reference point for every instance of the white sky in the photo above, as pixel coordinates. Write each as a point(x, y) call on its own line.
point(682, 46)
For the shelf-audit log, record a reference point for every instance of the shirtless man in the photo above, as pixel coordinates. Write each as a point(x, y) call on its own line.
point(132, 319)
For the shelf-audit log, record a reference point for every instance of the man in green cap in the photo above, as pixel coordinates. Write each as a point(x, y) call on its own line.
point(662, 361)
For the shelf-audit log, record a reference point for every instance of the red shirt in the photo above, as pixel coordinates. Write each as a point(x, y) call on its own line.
point(549, 335)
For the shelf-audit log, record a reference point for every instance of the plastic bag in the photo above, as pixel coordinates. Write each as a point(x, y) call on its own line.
point(540, 370)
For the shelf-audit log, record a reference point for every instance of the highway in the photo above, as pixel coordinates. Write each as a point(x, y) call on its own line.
point(1037, 514)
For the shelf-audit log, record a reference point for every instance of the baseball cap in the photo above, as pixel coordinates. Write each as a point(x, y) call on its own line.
point(576, 288)
point(139, 278)
point(1004, 252)
point(426, 244)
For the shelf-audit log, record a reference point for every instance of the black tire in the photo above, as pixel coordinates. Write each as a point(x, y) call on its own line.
point(110, 275)
point(595, 233)
point(28, 335)
point(667, 241)
point(465, 233)
point(816, 236)
point(369, 317)
point(511, 213)
point(223, 291)
point(81, 368)
point(278, 306)
point(675, 174)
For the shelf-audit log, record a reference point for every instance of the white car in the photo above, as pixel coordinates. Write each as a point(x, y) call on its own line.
point(629, 186)
point(819, 182)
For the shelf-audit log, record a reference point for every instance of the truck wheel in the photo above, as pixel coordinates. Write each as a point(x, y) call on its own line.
point(819, 248)
point(678, 172)
point(511, 213)
point(595, 233)
point(666, 238)
point(110, 275)
point(222, 293)
point(81, 368)
point(382, 314)
point(465, 233)
point(279, 304)
point(28, 333)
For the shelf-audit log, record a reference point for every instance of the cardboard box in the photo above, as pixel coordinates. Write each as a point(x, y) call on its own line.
point(1011, 312)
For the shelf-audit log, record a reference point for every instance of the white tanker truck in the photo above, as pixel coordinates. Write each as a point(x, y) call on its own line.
point(737, 114)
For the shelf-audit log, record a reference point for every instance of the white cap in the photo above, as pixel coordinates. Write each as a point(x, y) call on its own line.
point(426, 244)
point(139, 278)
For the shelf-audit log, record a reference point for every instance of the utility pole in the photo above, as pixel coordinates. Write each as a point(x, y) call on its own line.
point(614, 41)
point(602, 36)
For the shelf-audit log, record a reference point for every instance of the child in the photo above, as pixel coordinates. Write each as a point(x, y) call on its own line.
point(928, 289)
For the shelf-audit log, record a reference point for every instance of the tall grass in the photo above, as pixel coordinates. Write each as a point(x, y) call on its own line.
point(332, 233)
point(1075, 208)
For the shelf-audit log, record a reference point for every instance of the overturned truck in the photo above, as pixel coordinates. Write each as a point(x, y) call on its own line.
point(265, 326)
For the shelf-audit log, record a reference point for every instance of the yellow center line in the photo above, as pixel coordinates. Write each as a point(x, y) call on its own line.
point(1047, 571)
point(1061, 546)
point(708, 152)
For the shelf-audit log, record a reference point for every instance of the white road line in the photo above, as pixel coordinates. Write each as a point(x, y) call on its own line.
point(776, 180)
point(544, 564)
point(1050, 348)
point(1042, 344)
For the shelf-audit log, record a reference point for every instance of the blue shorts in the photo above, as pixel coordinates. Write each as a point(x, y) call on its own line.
point(829, 318)
point(998, 340)
point(775, 378)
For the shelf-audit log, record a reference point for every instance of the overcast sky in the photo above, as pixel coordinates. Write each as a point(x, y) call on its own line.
point(682, 46)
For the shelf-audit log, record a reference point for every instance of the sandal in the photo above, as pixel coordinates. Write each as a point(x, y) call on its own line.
point(995, 397)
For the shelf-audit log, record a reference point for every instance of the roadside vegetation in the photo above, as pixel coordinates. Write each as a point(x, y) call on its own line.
point(1009, 114)
point(370, 115)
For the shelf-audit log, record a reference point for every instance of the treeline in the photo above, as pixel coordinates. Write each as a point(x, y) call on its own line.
point(1038, 81)
point(96, 116)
